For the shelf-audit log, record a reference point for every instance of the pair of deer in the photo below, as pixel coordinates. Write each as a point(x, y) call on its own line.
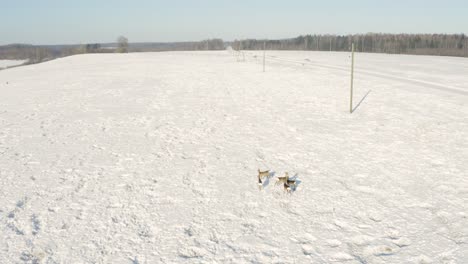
point(287, 183)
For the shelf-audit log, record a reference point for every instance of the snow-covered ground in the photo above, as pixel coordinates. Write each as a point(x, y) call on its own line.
point(9, 63)
point(153, 158)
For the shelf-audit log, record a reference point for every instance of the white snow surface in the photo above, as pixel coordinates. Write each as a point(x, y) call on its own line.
point(153, 158)
point(9, 63)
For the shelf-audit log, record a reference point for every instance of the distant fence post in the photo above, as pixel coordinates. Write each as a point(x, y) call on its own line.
point(352, 79)
point(264, 51)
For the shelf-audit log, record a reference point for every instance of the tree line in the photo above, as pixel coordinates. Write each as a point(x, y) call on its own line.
point(31, 53)
point(36, 54)
point(418, 44)
point(208, 44)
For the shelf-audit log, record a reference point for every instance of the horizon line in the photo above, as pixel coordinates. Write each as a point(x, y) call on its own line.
point(249, 38)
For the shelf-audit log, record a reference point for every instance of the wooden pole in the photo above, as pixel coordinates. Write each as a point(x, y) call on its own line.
point(352, 79)
point(264, 51)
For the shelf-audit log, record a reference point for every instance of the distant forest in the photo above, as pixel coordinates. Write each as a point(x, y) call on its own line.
point(418, 44)
point(41, 53)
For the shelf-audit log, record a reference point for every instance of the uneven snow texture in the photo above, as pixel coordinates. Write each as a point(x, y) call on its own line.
point(153, 158)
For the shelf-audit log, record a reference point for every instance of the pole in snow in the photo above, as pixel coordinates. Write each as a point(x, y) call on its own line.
point(352, 79)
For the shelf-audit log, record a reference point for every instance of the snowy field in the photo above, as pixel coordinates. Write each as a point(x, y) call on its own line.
point(9, 63)
point(153, 158)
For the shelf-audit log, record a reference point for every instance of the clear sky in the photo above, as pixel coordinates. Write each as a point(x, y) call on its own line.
point(89, 21)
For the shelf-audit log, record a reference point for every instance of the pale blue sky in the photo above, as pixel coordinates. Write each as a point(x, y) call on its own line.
point(89, 21)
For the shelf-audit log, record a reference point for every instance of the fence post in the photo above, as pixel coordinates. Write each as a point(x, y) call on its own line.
point(352, 79)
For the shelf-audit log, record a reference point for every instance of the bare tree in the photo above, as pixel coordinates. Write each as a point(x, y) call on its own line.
point(122, 44)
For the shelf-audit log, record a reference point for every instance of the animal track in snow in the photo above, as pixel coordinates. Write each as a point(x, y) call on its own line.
point(304, 238)
point(362, 240)
point(422, 259)
point(340, 257)
point(402, 242)
point(333, 243)
point(36, 224)
point(308, 250)
point(380, 250)
point(192, 252)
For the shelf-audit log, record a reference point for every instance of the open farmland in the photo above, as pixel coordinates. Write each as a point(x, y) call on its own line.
point(153, 158)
